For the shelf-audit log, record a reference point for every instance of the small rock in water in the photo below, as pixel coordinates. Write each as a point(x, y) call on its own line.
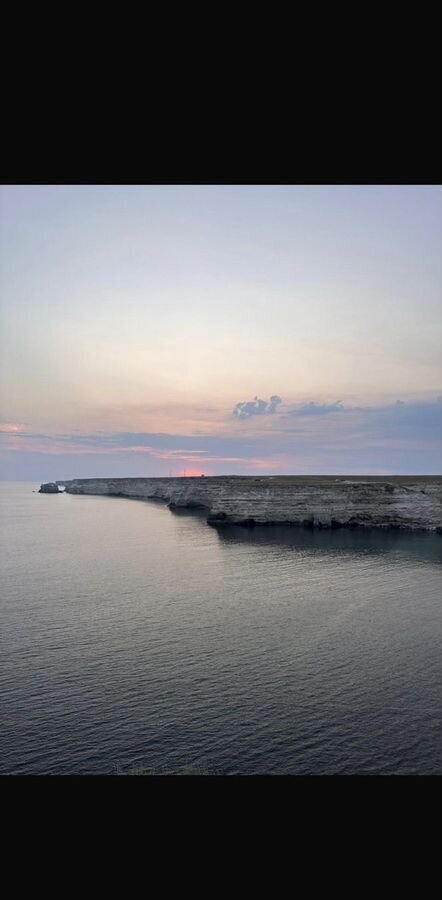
point(49, 488)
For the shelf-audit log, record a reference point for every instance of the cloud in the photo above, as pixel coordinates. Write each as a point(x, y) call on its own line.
point(402, 438)
point(257, 407)
point(10, 428)
point(415, 420)
point(316, 409)
point(274, 403)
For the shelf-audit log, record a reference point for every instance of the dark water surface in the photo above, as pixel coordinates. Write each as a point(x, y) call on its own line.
point(133, 636)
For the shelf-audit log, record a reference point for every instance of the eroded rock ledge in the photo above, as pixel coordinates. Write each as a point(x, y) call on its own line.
point(406, 502)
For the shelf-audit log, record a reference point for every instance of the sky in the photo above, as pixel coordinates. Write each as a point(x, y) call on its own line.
point(156, 330)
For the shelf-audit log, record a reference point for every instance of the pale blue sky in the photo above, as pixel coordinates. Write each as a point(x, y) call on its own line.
point(154, 311)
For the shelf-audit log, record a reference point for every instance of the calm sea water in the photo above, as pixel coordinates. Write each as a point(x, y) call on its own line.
point(132, 637)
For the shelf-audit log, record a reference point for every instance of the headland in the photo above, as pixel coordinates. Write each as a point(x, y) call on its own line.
point(411, 502)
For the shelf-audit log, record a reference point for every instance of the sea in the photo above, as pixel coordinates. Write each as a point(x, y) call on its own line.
point(134, 639)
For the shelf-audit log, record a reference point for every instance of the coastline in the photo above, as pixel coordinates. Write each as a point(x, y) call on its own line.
point(408, 502)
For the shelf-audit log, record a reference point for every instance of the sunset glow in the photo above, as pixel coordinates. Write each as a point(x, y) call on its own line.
point(251, 329)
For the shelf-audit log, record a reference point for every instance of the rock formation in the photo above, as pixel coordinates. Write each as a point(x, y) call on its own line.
point(49, 488)
point(406, 502)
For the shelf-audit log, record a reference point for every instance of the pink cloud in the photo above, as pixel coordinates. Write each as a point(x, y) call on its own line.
point(20, 442)
point(198, 456)
point(10, 427)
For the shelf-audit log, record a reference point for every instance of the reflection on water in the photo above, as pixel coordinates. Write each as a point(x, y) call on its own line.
point(136, 637)
point(340, 542)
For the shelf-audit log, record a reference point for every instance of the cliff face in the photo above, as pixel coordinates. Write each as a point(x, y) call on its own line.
point(409, 502)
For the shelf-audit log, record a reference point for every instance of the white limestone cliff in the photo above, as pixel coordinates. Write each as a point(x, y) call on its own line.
point(406, 502)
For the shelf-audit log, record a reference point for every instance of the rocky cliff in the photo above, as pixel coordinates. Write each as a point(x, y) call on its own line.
point(407, 502)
